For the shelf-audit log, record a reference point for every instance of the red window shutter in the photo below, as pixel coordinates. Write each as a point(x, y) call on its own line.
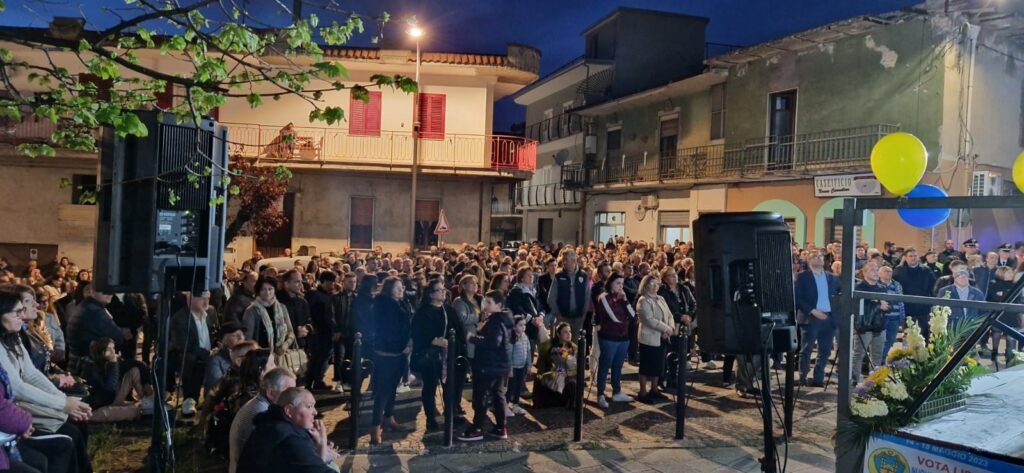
point(165, 99)
point(103, 86)
point(364, 117)
point(215, 113)
point(431, 114)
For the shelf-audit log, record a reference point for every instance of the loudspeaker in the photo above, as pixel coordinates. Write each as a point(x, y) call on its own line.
point(159, 217)
point(744, 280)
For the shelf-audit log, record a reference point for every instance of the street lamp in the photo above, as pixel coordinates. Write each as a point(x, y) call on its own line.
point(416, 33)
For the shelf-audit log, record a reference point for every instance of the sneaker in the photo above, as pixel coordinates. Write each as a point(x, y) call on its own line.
point(339, 388)
point(472, 435)
point(518, 410)
point(622, 397)
point(188, 408)
point(404, 388)
point(602, 402)
point(147, 405)
point(496, 433)
point(710, 365)
point(509, 412)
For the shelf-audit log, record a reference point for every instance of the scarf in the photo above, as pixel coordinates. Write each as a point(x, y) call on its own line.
point(279, 327)
point(611, 314)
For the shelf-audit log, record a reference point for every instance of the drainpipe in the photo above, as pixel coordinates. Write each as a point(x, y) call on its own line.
point(971, 31)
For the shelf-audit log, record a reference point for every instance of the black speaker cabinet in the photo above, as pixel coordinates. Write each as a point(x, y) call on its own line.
point(159, 216)
point(744, 280)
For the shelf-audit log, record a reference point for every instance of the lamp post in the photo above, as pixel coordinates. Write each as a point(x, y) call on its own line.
point(416, 33)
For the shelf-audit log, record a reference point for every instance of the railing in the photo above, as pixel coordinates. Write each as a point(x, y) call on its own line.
point(386, 148)
point(805, 154)
point(30, 130)
point(551, 129)
point(543, 195)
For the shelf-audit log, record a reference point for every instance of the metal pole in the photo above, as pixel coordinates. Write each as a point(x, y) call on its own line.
point(768, 464)
point(581, 361)
point(682, 364)
point(415, 153)
point(451, 403)
point(161, 451)
point(848, 456)
point(789, 403)
point(357, 387)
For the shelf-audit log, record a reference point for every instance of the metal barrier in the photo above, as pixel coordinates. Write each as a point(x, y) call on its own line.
point(356, 369)
point(581, 377)
point(452, 395)
point(681, 367)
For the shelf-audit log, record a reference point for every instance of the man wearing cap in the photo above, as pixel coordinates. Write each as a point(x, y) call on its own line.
point(217, 366)
point(931, 261)
point(970, 247)
point(949, 254)
point(1006, 256)
point(961, 289)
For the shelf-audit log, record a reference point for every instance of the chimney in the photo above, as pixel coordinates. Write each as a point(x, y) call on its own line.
point(67, 28)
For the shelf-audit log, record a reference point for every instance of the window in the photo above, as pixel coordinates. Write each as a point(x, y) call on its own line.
point(364, 117)
point(834, 231)
point(668, 137)
point(431, 116)
point(361, 223)
point(165, 99)
point(427, 212)
point(83, 189)
point(93, 85)
point(609, 225)
point(592, 45)
point(673, 225)
point(718, 111)
point(791, 223)
point(613, 144)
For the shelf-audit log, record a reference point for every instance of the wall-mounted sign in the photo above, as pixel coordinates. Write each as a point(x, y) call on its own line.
point(846, 185)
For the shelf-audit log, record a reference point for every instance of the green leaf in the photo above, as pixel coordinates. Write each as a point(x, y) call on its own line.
point(84, 46)
point(33, 150)
point(234, 190)
point(216, 201)
point(172, 197)
point(129, 124)
point(2, 6)
point(65, 183)
point(254, 100)
point(282, 173)
point(5, 55)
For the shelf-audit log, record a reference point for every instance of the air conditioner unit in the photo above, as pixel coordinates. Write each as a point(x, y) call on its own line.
point(590, 144)
point(649, 201)
point(986, 183)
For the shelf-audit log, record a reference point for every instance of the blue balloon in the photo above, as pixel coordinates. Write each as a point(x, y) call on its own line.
point(924, 218)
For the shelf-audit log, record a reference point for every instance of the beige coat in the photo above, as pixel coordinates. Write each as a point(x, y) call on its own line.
point(655, 317)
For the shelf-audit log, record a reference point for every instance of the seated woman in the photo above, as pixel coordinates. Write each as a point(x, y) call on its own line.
point(37, 339)
point(556, 370)
point(33, 392)
point(237, 388)
point(111, 383)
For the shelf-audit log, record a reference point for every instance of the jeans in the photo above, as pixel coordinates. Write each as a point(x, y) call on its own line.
point(873, 341)
point(516, 384)
point(822, 333)
point(387, 373)
point(493, 387)
point(319, 348)
point(892, 329)
point(613, 354)
point(341, 353)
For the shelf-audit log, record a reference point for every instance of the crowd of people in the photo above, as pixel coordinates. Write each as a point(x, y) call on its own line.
point(245, 358)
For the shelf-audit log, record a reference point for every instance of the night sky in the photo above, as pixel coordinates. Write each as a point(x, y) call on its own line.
point(553, 26)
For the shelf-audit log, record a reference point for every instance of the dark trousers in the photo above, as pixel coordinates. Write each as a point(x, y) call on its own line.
point(634, 343)
point(79, 455)
point(516, 384)
point(342, 353)
point(55, 454)
point(431, 377)
point(387, 373)
point(922, 322)
point(129, 348)
point(319, 348)
point(822, 333)
point(192, 373)
point(19, 467)
point(491, 387)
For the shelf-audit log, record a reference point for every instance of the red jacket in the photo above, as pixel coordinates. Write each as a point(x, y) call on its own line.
point(613, 314)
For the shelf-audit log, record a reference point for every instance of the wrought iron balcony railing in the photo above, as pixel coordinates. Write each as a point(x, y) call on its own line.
point(551, 129)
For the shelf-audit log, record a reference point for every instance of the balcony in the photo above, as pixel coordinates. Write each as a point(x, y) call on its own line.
point(30, 130)
point(388, 149)
point(777, 157)
point(554, 128)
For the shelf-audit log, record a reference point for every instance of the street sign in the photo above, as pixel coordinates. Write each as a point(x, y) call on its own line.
point(33, 253)
point(442, 224)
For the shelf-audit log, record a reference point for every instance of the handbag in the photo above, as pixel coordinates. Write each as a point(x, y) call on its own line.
point(293, 358)
point(44, 418)
point(427, 360)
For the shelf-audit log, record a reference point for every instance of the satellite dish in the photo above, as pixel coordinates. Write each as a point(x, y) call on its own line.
point(640, 212)
point(561, 157)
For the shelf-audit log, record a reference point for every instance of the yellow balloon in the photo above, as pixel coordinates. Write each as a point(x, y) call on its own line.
point(1018, 171)
point(899, 161)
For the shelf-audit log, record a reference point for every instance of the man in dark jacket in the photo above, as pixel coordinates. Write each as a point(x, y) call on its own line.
point(288, 438)
point(917, 280)
point(298, 309)
point(192, 339)
point(544, 285)
point(491, 368)
point(344, 328)
point(321, 342)
point(89, 322)
point(569, 297)
point(816, 292)
point(241, 298)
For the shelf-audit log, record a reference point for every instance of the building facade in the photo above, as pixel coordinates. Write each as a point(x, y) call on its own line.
point(352, 181)
point(788, 126)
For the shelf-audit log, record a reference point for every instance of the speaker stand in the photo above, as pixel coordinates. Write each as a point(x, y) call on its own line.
point(161, 449)
point(768, 461)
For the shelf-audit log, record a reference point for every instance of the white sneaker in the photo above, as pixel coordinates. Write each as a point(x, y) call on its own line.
point(710, 365)
point(602, 402)
point(147, 405)
point(622, 397)
point(509, 412)
point(188, 408)
point(404, 388)
point(339, 388)
point(518, 409)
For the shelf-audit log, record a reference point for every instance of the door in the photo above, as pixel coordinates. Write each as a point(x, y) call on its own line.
point(781, 127)
point(273, 244)
point(545, 229)
point(668, 164)
point(427, 214)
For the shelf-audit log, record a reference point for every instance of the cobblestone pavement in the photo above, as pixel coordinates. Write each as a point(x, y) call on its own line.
point(723, 433)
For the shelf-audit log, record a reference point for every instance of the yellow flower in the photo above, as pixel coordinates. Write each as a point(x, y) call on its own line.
point(879, 376)
point(899, 354)
point(971, 361)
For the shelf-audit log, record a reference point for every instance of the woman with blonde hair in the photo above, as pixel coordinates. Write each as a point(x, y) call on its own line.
point(656, 328)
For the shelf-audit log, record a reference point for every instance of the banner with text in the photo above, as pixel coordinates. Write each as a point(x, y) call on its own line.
point(891, 454)
point(846, 185)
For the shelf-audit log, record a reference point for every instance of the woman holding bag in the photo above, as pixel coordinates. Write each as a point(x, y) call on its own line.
point(430, 349)
point(267, 322)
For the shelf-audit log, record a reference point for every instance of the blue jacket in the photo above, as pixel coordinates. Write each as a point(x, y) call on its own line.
point(974, 294)
point(392, 324)
point(806, 293)
point(91, 321)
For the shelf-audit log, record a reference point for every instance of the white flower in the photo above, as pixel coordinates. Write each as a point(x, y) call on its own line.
point(915, 341)
point(937, 322)
point(895, 390)
point(868, 408)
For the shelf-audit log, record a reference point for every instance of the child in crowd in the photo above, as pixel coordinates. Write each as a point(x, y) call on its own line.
point(490, 367)
point(519, 356)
